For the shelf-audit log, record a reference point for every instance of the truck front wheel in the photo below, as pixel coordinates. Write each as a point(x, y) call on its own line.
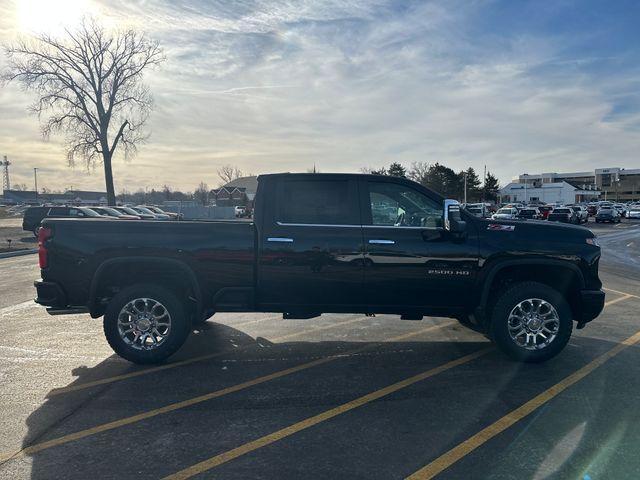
point(531, 322)
point(146, 323)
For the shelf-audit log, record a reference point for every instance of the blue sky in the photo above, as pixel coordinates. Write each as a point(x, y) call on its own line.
point(280, 86)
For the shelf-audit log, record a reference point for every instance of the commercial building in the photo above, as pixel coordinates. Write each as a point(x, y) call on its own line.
point(70, 197)
point(557, 192)
point(616, 184)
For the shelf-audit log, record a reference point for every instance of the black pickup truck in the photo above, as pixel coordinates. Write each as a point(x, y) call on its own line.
point(342, 243)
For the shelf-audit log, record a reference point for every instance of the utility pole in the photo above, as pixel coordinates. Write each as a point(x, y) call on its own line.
point(465, 187)
point(35, 181)
point(484, 185)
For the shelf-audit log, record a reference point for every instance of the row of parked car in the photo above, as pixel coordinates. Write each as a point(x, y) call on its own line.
point(579, 213)
point(33, 216)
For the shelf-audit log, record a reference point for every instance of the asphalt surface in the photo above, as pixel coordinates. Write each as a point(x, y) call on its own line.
point(342, 396)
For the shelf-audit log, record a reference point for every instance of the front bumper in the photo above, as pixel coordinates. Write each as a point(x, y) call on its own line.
point(591, 305)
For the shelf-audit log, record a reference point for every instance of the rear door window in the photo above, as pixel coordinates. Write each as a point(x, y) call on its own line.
point(317, 202)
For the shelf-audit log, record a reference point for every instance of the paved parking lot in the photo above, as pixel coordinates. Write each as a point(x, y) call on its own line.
point(342, 396)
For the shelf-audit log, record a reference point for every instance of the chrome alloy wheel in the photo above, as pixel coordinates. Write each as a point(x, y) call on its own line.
point(144, 323)
point(533, 324)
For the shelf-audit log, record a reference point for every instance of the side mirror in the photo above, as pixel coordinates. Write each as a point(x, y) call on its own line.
point(453, 222)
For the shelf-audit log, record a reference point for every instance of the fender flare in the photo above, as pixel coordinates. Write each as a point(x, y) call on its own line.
point(502, 264)
point(193, 280)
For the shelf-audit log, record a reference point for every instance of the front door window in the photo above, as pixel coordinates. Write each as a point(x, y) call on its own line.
point(401, 206)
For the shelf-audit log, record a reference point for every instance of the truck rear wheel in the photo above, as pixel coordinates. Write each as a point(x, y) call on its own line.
point(146, 323)
point(531, 322)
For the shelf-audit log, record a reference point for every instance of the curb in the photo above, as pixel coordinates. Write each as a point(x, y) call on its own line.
point(18, 253)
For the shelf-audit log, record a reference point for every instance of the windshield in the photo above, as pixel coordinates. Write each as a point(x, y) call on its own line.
point(128, 210)
point(507, 211)
point(144, 210)
point(111, 211)
point(89, 213)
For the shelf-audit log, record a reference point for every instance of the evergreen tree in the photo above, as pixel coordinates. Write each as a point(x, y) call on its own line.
point(490, 188)
point(473, 185)
point(397, 170)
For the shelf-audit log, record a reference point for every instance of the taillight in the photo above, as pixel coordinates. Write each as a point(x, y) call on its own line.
point(44, 234)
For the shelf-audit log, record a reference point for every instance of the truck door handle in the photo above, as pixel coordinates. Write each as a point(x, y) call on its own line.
point(382, 242)
point(280, 239)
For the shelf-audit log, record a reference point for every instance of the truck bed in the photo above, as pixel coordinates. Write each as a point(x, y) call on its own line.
point(221, 253)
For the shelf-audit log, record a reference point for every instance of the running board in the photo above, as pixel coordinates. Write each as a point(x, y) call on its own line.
point(299, 315)
point(67, 311)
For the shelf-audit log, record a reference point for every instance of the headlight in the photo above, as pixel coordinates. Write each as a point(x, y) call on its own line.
point(593, 241)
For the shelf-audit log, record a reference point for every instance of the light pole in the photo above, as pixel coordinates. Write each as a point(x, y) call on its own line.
point(465, 187)
point(35, 181)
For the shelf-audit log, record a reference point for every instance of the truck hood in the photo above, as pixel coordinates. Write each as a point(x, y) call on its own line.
point(537, 230)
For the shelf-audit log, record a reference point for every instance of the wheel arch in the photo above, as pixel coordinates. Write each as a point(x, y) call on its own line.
point(562, 275)
point(117, 273)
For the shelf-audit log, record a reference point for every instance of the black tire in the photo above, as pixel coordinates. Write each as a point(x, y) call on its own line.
point(508, 301)
point(175, 338)
point(35, 232)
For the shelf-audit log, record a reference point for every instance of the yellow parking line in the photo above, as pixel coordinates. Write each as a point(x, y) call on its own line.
point(621, 293)
point(209, 396)
point(461, 450)
point(619, 299)
point(316, 419)
point(146, 371)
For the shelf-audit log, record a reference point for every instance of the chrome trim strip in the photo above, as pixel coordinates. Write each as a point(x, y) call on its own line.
point(280, 239)
point(283, 224)
point(382, 242)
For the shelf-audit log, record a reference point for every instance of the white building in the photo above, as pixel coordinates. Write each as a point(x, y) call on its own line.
point(558, 192)
point(619, 184)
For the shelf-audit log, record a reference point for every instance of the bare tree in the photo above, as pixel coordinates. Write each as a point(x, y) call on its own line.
point(419, 171)
point(228, 173)
point(201, 194)
point(89, 87)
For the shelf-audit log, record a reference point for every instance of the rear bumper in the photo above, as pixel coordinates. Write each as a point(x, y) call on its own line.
point(50, 294)
point(591, 305)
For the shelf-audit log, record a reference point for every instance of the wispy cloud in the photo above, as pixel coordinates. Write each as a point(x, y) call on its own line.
point(272, 86)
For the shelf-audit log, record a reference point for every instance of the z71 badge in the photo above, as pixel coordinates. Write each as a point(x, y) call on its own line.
point(501, 228)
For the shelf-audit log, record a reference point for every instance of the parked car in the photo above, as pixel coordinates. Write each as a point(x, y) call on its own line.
point(592, 209)
point(562, 214)
point(112, 212)
point(475, 211)
point(33, 216)
point(506, 213)
point(158, 210)
point(621, 208)
point(545, 210)
point(322, 253)
point(239, 210)
point(529, 213)
point(131, 211)
point(634, 212)
point(607, 214)
point(157, 216)
point(582, 216)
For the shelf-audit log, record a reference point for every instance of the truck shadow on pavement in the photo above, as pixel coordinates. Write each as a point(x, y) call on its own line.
point(430, 417)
